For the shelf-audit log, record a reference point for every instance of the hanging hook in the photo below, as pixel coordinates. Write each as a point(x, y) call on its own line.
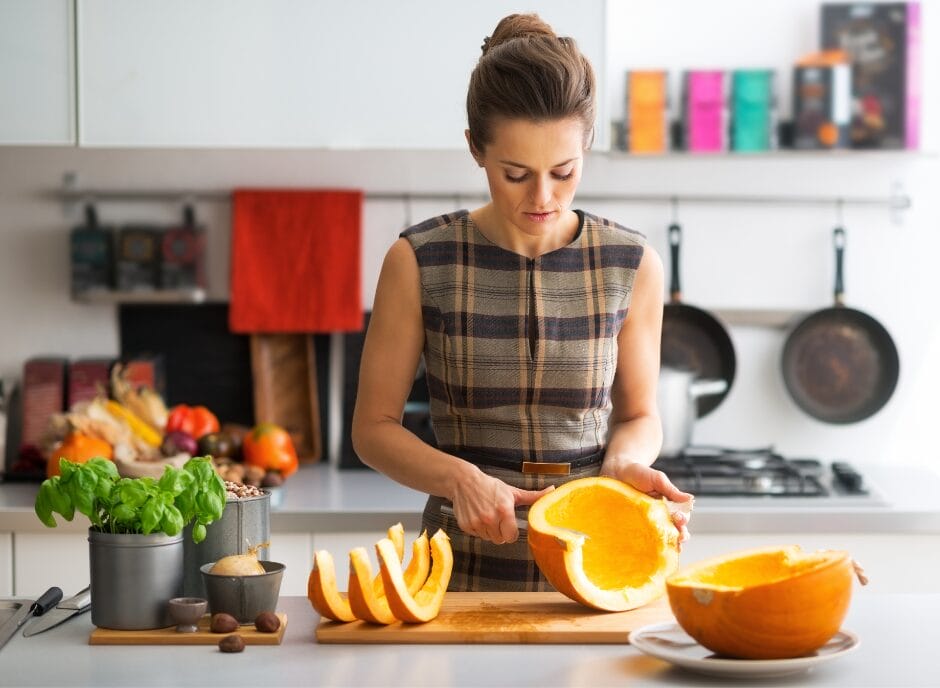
point(840, 212)
point(408, 210)
point(674, 204)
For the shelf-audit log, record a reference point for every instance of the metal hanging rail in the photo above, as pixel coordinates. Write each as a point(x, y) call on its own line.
point(897, 201)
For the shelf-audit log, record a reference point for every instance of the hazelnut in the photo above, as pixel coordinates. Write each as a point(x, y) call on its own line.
point(232, 643)
point(267, 622)
point(254, 475)
point(272, 479)
point(223, 623)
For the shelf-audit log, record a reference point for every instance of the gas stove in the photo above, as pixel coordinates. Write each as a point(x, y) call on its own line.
point(708, 471)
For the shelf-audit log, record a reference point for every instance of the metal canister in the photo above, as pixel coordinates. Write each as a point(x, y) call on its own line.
point(245, 524)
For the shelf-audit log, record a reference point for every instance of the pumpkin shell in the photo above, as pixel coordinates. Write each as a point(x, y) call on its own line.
point(767, 603)
point(604, 543)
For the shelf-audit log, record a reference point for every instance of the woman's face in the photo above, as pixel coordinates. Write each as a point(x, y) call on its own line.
point(533, 169)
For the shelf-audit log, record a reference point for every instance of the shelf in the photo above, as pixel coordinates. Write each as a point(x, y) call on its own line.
point(776, 154)
point(143, 296)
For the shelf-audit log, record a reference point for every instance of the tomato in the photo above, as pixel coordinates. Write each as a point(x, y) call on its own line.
point(77, 448)
point(269, 446)
point(195, 421)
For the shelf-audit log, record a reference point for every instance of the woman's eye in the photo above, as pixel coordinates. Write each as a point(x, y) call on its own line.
point(516, 180)
point(564, 177)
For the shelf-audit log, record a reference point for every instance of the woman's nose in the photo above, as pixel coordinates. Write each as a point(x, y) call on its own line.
point(541, 192)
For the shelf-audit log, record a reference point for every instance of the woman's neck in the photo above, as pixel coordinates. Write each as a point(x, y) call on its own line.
point(511, 238)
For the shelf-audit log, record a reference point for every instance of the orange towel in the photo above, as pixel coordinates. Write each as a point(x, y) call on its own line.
point(296, 263)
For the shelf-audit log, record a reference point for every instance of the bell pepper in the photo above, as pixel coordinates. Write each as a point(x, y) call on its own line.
point(195, 421)
point(78, 448)
point(270, 447)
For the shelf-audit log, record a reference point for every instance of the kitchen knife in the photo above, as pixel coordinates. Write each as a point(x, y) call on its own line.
point(65, 610)
point(521, 523)
point(47, 601)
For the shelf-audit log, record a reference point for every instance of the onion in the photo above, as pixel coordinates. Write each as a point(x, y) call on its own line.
point(238, 565)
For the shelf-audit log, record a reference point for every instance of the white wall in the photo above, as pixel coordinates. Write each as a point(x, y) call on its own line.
point(734, 256)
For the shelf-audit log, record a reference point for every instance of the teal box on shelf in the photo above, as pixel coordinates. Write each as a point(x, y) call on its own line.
point(753, 110)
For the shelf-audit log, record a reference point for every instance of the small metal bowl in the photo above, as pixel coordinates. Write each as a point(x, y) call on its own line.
point(244, 597)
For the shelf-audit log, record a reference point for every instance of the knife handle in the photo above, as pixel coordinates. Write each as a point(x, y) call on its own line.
point(49, 599)
point(448, 510)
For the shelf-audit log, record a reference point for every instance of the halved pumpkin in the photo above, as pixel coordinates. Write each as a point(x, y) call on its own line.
point(603, 543)
point(321, 584)
point(421, 604)
point(767, 603)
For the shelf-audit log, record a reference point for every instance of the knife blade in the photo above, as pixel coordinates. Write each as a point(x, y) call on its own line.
point(65, 610)
point(46, 601)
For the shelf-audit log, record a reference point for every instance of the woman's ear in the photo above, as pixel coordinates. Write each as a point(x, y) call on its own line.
point(473, 151)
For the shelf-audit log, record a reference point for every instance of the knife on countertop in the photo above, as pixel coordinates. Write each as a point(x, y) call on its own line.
point(27, 610)
point(65, 610)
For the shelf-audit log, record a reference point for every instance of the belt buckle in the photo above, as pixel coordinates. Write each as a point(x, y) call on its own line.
point(546, 468)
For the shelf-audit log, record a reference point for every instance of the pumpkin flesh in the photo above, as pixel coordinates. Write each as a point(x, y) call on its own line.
point(603, 543)
point(768, 603)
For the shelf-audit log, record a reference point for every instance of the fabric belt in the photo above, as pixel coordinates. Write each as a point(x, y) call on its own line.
point(533, 467)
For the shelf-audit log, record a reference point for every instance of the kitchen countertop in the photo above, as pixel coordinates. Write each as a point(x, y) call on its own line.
point(320, 498)
point(896, 649)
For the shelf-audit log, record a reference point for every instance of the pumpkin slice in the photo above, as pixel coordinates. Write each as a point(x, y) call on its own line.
point(423, 604)
point(767, 603)
point(624, 546)
point(321, 584)
point(322, 592)
point(364, 602)
point(397, 535)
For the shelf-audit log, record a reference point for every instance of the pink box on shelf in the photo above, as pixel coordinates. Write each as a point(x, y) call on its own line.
point(705, 110)
point(88, 378)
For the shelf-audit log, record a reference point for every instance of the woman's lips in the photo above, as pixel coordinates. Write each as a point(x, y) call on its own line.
point(539, 217)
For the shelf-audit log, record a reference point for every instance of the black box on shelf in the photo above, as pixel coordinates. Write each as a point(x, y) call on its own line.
point(182, 252)
point(138, 258)
point(91, 250)
point(822, 92)
point(883, 42)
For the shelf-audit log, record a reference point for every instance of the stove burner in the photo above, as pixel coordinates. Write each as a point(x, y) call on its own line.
point(718, 471)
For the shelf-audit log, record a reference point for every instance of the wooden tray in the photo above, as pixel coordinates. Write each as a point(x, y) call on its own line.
point(505, 617)
point(169, 636)
point(284, 375)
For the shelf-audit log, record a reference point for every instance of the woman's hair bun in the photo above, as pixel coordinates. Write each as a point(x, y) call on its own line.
point(516, 26)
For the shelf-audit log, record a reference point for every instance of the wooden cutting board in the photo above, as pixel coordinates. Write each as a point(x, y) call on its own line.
point(202, 636)
point(505, 617)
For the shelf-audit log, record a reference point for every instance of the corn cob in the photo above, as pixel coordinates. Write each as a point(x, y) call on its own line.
point(139, 427)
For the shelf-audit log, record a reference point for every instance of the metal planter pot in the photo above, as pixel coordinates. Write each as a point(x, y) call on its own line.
point(245, 523)
point(132, 579)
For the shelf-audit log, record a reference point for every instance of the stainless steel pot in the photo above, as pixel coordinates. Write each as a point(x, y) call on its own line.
point(677, 397)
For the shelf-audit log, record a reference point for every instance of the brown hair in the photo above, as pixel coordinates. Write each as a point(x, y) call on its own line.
point(527, 72)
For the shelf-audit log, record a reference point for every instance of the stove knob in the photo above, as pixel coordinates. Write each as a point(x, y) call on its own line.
point(847, 476)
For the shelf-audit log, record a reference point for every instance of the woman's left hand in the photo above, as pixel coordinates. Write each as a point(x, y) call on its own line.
point(655, 483)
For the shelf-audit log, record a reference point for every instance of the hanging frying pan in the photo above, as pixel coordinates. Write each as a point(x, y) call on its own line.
point(693, 339)
point(840, 365)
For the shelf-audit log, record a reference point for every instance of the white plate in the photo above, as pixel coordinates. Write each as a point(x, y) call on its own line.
point(669, 642)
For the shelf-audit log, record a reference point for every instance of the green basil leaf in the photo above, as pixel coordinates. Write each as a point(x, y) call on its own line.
point(43, 507)
point(169, 482)
point(104, 468)
point(199, 533)
point(85, 504)
point(151, 515)
point(133, 493)
point(172, 520)
point(215, 507)
point(124, 513)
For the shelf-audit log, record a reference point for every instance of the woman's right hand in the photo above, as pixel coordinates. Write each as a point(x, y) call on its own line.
point(486, 508)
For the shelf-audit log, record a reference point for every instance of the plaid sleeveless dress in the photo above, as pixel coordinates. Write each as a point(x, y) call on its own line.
point(521, 355)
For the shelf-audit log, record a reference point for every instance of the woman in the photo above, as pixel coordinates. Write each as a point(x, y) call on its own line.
point(540, 325)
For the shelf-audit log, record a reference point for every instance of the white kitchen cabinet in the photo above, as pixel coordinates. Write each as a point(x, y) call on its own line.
point(41, 561)
point(284, 73)
point(37, 84)
point(894, 563)
point(6, 564)
point(294, 550)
